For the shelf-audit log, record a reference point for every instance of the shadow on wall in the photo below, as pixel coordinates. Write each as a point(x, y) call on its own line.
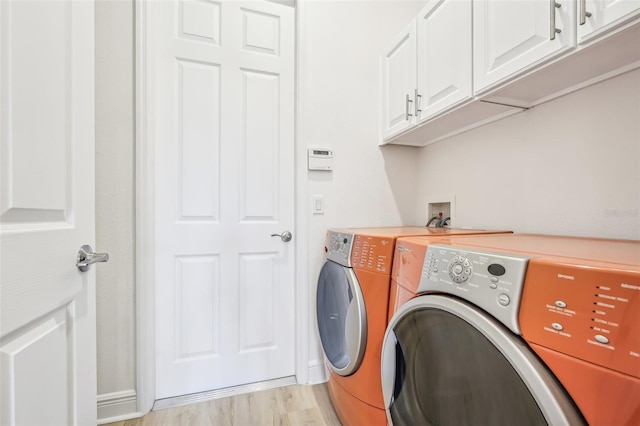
point(401, 167)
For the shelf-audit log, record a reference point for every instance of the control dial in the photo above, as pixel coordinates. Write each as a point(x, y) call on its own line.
point(459, 269)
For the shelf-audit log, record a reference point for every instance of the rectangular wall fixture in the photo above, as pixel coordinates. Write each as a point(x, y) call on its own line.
point(441, 207)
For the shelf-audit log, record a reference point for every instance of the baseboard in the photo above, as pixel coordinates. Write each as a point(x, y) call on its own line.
point(317, 372)
point(117, 406)
point(195, 398)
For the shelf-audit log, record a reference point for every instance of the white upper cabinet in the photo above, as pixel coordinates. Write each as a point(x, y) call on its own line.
point(461, 64)
point(427, 70)
point(512, 36)
point(598, 16)
point(399, 83)
point(444, 56)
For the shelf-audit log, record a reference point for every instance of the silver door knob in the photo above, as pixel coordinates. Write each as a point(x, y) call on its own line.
point(87, 257)
point(285, 236)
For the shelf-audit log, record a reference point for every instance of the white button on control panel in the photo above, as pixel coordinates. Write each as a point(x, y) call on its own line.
point(602, 339)
point(504, 300)
point(557, 326)
point(560, 304)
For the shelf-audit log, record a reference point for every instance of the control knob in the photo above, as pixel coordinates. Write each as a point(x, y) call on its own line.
point(459, 269)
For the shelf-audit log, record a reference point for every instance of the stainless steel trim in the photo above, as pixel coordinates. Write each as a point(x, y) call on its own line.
point(339, 246)
point(285, 236)
point(583, 12)
point(406, 108)
point(388, 367)
point(553, 5)
point(355, 327)
point(556, 407)
point(87, 257)
point(435, 278)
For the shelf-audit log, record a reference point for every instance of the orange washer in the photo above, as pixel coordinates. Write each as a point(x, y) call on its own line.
point(353, 287)
point(579, 312)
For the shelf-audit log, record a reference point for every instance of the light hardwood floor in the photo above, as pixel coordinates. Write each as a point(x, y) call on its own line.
point(287, 406)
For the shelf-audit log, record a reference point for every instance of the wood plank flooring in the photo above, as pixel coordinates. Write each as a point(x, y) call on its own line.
point(287, 406)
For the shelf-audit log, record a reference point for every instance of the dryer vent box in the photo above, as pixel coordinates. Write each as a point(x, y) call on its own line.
point(320, 159)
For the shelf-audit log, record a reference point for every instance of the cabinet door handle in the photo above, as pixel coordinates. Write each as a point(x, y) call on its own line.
point(407, 114)
point(583, 12)
point(552, 10)
point(417, 97)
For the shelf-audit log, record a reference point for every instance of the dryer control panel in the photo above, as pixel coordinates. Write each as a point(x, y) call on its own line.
point(374, 254)
point(338, 247)
point(490, 280)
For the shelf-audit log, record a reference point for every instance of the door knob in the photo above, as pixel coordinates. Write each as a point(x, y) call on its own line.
point(87, 257)
point(285, 236)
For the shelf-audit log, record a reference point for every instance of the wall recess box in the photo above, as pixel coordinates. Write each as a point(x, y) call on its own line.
point(442, 204)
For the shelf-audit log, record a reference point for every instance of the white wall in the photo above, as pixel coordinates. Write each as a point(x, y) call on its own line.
point(115, 198)
point(570, 166)
point(338, 104)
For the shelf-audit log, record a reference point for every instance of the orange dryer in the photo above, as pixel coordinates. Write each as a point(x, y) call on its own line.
point(507, 329)
point(352, 308)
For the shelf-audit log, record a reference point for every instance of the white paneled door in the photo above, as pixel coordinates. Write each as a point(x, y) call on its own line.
point(47, 305)
point(224, 109)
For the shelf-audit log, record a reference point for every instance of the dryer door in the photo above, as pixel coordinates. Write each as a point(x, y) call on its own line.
point(342, 319)
point(445, 362)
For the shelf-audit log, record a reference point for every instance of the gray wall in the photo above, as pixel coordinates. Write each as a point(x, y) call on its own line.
point(115, 201)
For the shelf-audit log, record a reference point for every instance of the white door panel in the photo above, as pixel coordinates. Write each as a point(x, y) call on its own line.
point(596, 16)
point(444, 56)
point(224, 161)
point(399, 82)
point(510, 36)
point(47, 319)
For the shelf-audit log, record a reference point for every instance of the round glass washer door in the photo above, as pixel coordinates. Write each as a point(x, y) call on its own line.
point(446, 362)
point(341, 317)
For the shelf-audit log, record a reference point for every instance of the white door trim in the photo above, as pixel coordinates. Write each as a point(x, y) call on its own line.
point(145, 202)
point(145, 207)
point(303, 311)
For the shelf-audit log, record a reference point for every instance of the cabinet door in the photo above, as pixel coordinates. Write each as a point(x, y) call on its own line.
point(399, 83)
point(511, 36)
point(444, 56)
point(597, 16)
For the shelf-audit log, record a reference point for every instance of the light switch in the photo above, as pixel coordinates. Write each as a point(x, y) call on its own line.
point(318, 204)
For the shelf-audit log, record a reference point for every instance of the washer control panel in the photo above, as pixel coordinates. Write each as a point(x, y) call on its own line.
point(490, 280)
point(587, 310)
point(338, 247)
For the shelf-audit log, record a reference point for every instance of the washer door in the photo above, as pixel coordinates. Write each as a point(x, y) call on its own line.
point(342, 320)
point(445, 362)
